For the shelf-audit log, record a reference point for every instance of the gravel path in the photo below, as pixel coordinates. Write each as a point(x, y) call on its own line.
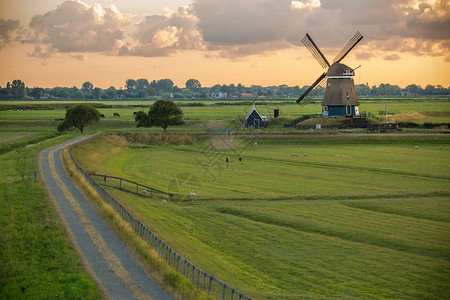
point(119, 275)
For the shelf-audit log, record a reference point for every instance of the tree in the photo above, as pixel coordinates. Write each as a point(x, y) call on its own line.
point(86, 88)
point(97, 93)
point(142, 84)
point(17, 89)
point(162, 113)
point(81, 115)
point(164, 86)
point(130, 84)
point(193, 85)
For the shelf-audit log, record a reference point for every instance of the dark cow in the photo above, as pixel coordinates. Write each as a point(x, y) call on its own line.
point(134, 113)
point(102, 115)
point(116, 115)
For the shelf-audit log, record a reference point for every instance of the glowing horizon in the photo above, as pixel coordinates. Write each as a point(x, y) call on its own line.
point(65, 43)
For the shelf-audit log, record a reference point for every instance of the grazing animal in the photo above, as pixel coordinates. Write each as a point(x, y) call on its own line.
point(145, 192)
point(255, 144)
point(294, 155)
point(440, 147)
point(116, 115)
point(305, 154)
point(416, 147)
point(240, 158)
point(135, 112)
point(102, 115)
point(192, 194)
point(205, 165)
point(163, 202)
point(226, 159)
point(242, 163)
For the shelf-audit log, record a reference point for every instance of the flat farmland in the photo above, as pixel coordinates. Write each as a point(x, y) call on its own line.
point(358, 217)
point(430, 110)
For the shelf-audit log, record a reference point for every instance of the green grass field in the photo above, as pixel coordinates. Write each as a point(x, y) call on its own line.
point(36, 259)
point(359, 217)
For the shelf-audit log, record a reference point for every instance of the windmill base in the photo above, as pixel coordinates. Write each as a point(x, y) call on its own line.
point(340, 111)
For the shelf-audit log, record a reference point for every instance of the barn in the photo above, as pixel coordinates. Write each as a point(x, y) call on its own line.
point(255, 120)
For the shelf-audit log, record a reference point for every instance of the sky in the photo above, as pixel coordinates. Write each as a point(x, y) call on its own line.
point(50, 43)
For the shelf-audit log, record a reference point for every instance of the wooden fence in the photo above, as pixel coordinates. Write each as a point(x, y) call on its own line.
point(196, 275)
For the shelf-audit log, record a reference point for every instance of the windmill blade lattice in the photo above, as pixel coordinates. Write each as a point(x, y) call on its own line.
point(314, 92)
point(319, 80)
point(350, 45)
point(312, 47)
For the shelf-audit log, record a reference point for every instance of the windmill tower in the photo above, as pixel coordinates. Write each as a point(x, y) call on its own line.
point(340, 96)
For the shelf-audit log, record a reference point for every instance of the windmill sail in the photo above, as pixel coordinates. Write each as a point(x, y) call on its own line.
point(312, 47)
point(350, 45)
point(319, 87)
point(319, 80)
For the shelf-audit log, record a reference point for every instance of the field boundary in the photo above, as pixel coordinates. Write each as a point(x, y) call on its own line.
point(144, 192)
point(196, 275)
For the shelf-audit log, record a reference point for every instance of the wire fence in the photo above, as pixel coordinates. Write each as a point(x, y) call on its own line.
point(202, 279)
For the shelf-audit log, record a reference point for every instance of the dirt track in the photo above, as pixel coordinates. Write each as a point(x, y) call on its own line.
point(105, 258)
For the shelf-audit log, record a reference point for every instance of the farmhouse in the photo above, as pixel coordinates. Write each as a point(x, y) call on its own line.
point(255, 120)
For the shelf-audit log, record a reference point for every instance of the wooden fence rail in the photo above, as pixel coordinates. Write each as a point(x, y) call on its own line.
point(140, 189)
point(196, 275)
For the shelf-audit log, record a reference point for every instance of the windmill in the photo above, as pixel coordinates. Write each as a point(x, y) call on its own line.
point(340, 95)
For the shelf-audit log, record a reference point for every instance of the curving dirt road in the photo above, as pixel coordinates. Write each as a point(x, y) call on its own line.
point(106, 259)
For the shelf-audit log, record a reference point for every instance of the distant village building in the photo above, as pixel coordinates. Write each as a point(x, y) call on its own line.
point(255, 120)
point(246, 95)
point(218, 95)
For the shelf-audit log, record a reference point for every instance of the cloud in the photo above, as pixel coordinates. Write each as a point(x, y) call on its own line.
point(392, 57)
point(163, 35)
point(75, 26)
point(9, 31)
point(236, 29)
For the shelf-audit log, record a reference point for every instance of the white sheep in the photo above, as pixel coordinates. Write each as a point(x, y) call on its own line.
point(163, 202)
point(255, 144)
point(192, 194)
point(294, 155)
point(145, 192)
point(416, 147)
point(440, 147)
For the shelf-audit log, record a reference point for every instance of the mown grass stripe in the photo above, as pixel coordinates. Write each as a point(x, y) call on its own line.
point(348, 236)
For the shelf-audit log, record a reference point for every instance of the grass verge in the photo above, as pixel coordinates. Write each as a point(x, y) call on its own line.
point(36, 259)
point(174, 282)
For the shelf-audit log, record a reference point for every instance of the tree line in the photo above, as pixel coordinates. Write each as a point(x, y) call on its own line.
point(165, 88)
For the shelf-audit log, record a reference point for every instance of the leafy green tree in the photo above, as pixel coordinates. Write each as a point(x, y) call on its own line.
point(81, 115)
point(87, 87)
point(77, 95)
point(142, 84)
point(130, 84)
point(37, 92)
point(96, 93)
point(17, 89)
point(193, 85)
point(165, 86)
point(151, 91)
point(163, 113)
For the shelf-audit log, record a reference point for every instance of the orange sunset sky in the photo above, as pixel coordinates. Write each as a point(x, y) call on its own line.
point(52, 43)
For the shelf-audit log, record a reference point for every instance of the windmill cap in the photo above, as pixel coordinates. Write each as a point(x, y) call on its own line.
point(338, 69)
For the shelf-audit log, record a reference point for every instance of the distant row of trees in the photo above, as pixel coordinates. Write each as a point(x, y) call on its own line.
point(165, 88)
